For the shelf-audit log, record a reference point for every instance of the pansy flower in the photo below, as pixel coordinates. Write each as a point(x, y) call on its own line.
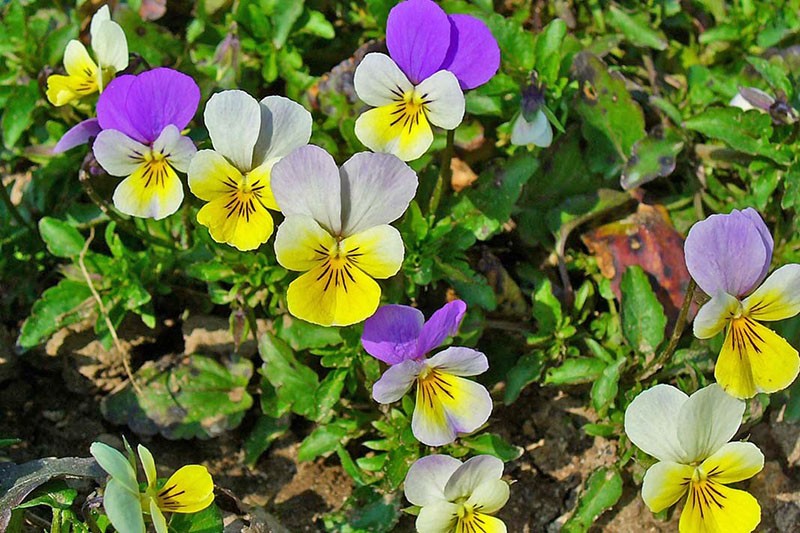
point(249, 137)
point(141, 118)
point(456, 497)
point(189, 490)
point(84, 76)
point(729, 256)
point(434, 58)
point(689, 436)
point(531, 125)
point(446, 403)
point(337, 231)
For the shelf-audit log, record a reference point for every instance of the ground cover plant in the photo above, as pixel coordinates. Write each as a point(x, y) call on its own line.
point(450, 266)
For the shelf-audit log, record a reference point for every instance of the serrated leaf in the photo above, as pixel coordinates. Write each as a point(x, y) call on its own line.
point(651, 158)
point(294, 382)
point(62, 239)
point(323, 440)
point(209, 520)
point(527, 370)
point(602, 491)
point(18, 113)
point(57, 308)
point(638, 29)
point(643, 318)
point(261, 437)
point(575, 370)
point(492, 444)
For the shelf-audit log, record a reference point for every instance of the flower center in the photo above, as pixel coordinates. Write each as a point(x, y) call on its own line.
point(468, 520)
point(410, 108)
point(430, 384)
point(743, 336)
point(337, 265)
point(242, 196)
point(156, 169)
point(704, 491)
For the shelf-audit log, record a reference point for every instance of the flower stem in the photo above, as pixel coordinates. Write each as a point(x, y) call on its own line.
point(122, 223)
point(445, 173)
point(677, 331)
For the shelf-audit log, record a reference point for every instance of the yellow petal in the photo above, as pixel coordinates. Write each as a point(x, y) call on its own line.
point(377, 251)
point(664, 484)
point(77, 61)
point(755, 359)
point(778, 298)
point(334, 293)
point(736, 461)
point(188, 490)
point(479, 522)
point(396, 129)
point(211, 175)
point(153, 191)
point(302, 244)
point(260, 177)
point(714, 508)
point(237, 219)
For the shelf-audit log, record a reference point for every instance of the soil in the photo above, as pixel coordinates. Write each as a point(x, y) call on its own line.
point(50, 399)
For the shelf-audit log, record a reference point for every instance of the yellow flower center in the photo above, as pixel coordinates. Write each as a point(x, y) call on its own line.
point(410, 108)
point(704, 491)
point(242, 196)
point(155, 169)
point(431, 383)
point(744, 337)
point(337, 265)
point(469, 520)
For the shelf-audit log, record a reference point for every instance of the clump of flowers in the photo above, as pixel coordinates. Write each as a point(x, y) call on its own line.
point(84, 76)
point(249, 137)
point(729, 257)
point(689, 436)
point(337, 230)
point(456, 497)
point(432, 58)
point(189, 490)
point(141, 118)
point(446, 403)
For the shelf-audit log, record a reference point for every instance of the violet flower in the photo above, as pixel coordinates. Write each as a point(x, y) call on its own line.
point(446, 403)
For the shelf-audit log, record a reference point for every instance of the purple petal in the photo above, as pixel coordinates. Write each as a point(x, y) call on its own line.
point(727, 253)
point(766, 236)
point(444, 323)
point(112, 112)
point(161, 97)
point(391, 333)
point(474, 56)
point(418, 37)
point(396, 381)
point(77, 135)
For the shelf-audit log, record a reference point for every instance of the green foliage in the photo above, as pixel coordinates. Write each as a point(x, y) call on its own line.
point(602, 490)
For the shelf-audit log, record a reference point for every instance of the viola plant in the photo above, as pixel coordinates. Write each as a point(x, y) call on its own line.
point(141, 118)
point(531, 125)
point(446, 404)
point(689, 435)
point(433, 57)
point(337, 231)
point(84, 76)
point(189, 490)
point(729, 257)
point(455, 497)
point(249, 137)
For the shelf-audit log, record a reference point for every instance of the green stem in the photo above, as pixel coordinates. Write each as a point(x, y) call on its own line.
point(55, 525)
point(125, 225)
point(677, 331)
point(445, 173)
point(13, 209)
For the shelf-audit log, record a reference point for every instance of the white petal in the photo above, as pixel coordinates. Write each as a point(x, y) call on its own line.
point(148, 465)
point(460, 361)
point(741, 102)
point(707, 421)
point(396, 381)
point(651, 422)
point(110, 46)
point(159, 522)
point(123, 508)
point(778, 298)
point(307, 182)
point(116, 464)
point(425, 481)
point(446, 107)
point(102, 15)
point(285, 125)
point(379, 81)
point(539, 132)
point(473, 473)
point(664, 484)
point(118, 154)
point(491, 496)
point(714, 315)
point(177, 148)
point(437, 518)
point(376, 189)
point(233, 120)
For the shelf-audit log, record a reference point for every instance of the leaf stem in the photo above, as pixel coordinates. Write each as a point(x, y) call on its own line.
point(677, 331)
point(445, 173)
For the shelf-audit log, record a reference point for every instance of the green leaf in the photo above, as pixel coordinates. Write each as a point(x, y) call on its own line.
point(546, 308)
point(637, 28)
point(284, 16)
point(18, 112)
point(602, 491)
point(575, 370)
point(492, 444)
point(527, 370)
point(324, 440)
point(209, 520)
point(62, 239)
point(55, 494)
point(643, 318)
point(604, 390)
point(548, 50)
point(196, 398)
point(58, 307)
point(265, 432)
point(329, 392)
point(293, 381)
point(651, 158)
point(745, 131)
point(302, 335)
